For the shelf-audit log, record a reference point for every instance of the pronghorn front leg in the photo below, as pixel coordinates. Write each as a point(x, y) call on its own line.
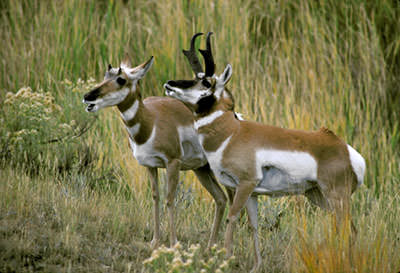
point(173, 168)
point(243, 192)
point(156, 208)
point(207, 179)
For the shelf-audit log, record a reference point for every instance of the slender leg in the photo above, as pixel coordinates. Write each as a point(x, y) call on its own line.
point(339, 203)
point(252, 212)
point(207, 179)
point(156, 208)
point(172, 181)
point(316, 197)
point(231, 194)
point(243, 192)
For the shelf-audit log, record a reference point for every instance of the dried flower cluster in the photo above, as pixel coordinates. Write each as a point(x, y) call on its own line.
point(176, 259)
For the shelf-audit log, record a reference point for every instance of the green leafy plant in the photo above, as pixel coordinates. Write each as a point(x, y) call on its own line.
point(34, 125)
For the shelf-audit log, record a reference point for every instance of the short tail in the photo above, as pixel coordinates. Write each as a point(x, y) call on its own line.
point(358, 164)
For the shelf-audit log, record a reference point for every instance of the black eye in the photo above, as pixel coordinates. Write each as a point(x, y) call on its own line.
point(206, 83)
point(121, 81)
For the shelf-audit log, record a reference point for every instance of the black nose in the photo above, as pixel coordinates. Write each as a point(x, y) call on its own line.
point(92, 95)
point(171, 83)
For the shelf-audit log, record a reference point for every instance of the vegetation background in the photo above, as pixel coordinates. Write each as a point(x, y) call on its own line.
point(72, 197)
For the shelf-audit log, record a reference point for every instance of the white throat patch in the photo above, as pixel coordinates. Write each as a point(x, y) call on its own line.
point(131, 112)
point(208, 119)
point(134, 130)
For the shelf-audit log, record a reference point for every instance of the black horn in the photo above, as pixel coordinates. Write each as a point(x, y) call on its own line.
point(192, 57)
point(208, 57)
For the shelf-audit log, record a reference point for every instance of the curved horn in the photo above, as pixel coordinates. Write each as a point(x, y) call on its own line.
point(192, 57)
point(208, 57)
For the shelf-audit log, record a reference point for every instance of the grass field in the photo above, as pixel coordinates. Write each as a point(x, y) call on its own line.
point(72, 197)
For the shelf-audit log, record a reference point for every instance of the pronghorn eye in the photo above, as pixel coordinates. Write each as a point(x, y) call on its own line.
point(121, 81)
point(206, 83)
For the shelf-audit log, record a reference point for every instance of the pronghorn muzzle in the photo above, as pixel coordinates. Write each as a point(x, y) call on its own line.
point(90, 98)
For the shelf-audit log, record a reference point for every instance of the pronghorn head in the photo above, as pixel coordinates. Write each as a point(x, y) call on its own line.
point(207, 88)
point(117, 84)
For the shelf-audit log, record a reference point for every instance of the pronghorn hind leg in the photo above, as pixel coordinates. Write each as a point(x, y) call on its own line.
point(156, 207)
point(173, 168)
point(231, 194)
point(207, 179)
point(252, 212)
point(338, 198)
point(317, 198)
point(339, 201)
point(243, 192)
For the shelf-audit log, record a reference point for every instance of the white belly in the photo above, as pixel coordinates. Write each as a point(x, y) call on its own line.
point(146, 155)
point(285, 172)
point(277, 172)
point(192, 155)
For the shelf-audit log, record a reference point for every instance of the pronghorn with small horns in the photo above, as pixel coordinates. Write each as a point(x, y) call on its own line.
point(256, 159)
point(161, 135)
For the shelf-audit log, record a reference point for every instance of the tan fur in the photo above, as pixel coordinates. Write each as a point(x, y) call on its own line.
point(336, 179)
point(232, 147)
point(164, 116)
point(329, 150)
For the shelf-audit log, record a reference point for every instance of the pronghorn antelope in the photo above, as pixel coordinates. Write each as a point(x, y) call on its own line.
point(161, 135)
point(259, 159)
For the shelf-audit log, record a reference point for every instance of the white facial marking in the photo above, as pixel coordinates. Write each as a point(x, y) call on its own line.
point(358, 164)
point(131, 112)
point(110, 99)
point(208, 119)
point(190, 95)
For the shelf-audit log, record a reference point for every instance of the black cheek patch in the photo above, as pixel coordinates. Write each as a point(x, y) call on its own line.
point(205, 104)
point(121, 81)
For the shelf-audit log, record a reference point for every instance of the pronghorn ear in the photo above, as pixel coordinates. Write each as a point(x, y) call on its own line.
point(127, 61)
point(224, 78)
point(139, 71)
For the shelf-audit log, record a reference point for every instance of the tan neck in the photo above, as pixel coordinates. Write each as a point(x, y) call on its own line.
point(218, 130)
point(136, 117)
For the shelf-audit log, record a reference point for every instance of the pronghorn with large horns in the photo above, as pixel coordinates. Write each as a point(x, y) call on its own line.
point(161, 135)
point(260, 159)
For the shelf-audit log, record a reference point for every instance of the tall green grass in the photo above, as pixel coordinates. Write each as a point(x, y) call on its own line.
point(297, 64)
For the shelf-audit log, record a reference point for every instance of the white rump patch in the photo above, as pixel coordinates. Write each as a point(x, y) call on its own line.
point(358, 164)
point(131, 112)
point(208, 119)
